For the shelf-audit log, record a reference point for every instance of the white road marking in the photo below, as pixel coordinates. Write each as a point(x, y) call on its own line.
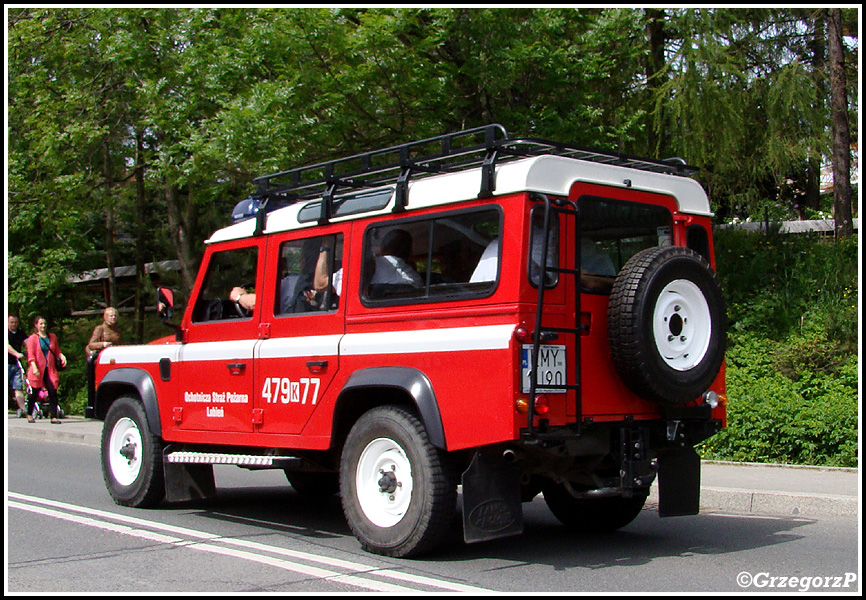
point(133, 527)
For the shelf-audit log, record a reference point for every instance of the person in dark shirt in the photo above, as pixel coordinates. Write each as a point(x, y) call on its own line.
point(14, 345)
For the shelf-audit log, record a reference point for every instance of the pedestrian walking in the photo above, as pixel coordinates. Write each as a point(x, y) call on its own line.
point(44, 359)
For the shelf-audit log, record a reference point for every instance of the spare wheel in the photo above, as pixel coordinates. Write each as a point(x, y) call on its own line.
point(666, 324)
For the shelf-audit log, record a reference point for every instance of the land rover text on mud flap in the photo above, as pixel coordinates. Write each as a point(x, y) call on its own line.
point(516, 315)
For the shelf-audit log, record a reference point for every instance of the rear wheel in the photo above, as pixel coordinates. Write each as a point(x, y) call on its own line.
point(398, 492)
point(131, 456)
point(592, 515)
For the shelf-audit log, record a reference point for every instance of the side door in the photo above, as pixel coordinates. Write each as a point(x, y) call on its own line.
point(304, 320)
point(214, 369)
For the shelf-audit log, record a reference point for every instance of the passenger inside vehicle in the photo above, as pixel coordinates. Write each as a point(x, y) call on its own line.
point(392, 265)
point(487, 264)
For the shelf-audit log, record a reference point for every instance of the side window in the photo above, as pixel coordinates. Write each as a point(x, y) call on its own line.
point(612, 231)
point(536, 247)
point(226, 270)
point(310, 275)
point(698, 240)
point(448, 257)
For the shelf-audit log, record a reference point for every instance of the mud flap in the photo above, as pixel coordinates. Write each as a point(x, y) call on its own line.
point(491, 500)
point(679, 482)
point(188, 482)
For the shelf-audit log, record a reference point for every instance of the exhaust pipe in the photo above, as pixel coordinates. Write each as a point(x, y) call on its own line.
point(510, 456)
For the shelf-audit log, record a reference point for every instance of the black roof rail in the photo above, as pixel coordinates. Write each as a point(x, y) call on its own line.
point(483, 147)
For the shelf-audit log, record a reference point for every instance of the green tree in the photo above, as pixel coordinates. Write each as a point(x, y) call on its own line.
point(745, 97)
point(132, 132)
point(62, 112)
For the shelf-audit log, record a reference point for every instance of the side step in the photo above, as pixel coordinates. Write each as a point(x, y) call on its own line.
point(189, 475)
point(241, 460)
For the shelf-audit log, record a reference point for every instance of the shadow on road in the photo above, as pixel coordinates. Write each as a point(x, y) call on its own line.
point(545, 541)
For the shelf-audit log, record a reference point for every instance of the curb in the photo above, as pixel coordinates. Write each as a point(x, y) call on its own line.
point(70, 438)
point(73, 430)
point(770, 504)
point(777, 503)
point(730, 463)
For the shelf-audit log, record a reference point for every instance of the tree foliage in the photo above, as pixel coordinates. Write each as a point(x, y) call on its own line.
point(132, 132)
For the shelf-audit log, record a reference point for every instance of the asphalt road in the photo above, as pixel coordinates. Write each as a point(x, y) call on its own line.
point(66, 535)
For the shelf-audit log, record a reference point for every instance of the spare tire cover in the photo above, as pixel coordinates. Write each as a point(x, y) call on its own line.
point(666, 324)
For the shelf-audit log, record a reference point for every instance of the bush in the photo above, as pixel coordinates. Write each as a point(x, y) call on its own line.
point(775, 284)
point(772, 418)
point(792, 367)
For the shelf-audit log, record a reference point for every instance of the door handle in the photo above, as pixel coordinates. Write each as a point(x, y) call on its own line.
point(317, 366)
point(237, 368)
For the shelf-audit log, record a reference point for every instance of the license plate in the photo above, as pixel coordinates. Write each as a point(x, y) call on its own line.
point(551, 368)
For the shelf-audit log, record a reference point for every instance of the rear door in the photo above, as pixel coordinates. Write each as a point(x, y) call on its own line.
point(302, 325)
point(616, 224)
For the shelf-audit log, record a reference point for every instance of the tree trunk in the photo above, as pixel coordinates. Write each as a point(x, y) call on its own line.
point(657, 37)
point(179, 217)
point(841, 133)
point(141, 283)
point(817, 44)
point(109, 226)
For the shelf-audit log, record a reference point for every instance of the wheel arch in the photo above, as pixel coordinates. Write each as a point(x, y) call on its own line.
point(376, 386)
point(118, 382)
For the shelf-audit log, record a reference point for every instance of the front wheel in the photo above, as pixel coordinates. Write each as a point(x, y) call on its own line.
point(399, 494)
point(131, 456)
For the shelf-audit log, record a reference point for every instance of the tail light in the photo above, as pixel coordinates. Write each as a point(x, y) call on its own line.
point(541, 404)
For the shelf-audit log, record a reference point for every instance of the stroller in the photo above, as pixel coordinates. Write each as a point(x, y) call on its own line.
point(40, 406)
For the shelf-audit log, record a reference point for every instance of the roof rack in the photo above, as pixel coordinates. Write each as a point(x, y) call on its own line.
point(483, 147)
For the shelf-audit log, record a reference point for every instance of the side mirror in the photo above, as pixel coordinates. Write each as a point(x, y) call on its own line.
point(165, 303)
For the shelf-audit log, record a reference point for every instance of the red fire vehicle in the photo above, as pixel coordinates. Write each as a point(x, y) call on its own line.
point(514, 315)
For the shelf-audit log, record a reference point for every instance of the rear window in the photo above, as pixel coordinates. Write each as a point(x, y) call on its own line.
point(612, 231)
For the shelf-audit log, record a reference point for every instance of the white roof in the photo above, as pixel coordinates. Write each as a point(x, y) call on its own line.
point(547, 174)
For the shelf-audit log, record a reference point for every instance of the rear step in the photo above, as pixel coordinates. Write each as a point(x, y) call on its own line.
point(242, 460)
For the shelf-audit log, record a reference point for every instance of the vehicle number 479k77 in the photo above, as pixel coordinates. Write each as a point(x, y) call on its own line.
point(284, 390)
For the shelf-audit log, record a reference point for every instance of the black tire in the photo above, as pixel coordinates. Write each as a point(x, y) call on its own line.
point(592, 515)
point(666, 325)
point(399, 494)
point(314, 484)
point(131, 456)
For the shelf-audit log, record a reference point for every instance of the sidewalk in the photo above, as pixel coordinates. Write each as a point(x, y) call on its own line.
point(73, 430)
point(740, 488)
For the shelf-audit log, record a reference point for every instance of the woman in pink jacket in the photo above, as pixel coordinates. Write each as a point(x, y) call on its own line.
point(43, 352)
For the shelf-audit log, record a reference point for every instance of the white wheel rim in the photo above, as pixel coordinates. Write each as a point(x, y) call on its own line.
point(383, 480)
point(682, 325)
point(124, 451)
